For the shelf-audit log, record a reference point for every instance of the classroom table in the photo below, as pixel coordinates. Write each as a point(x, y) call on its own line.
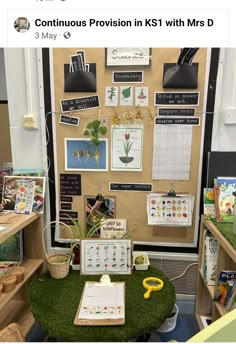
point(54, 304)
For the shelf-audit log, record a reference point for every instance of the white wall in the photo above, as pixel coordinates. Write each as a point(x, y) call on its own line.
point(224, 135)
point(23, 97)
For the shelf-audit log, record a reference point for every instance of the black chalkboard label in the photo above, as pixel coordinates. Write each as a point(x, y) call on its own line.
point(67, 221)
point(181, 121)
point(175, 112)
point(66, 206)
point(69, 120)
point(66, 199)
point(127, 77)
point(72, 214)
point(176, 98)
point(130, 187)
point(82, 103)
point(70, 184)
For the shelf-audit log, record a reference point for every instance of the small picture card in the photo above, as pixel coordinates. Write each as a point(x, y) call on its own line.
point(78, 62)
point(141, 96)
point(113, 229)
point(126, 95)
point(111, 96)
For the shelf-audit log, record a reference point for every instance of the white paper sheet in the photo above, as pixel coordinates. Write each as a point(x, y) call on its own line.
point(102, 301)
point(171, 152)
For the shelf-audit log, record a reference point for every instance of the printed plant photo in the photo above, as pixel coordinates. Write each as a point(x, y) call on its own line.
point(97, 210)
point(82, 155)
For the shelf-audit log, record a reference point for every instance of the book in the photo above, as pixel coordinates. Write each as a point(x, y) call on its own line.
point(28, 172)
point(230, 302)
point(209, 203)
point(224, 199)
point(204, 264)
point(24, 196)
point(211, 258)
point(224, 276)
point(10, 187)
point(227, 292)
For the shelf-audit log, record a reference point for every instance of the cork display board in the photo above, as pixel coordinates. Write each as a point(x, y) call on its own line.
point(129, 187)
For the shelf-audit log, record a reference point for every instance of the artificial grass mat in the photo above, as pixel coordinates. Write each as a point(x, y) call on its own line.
point(226, 230)
point(54, 304)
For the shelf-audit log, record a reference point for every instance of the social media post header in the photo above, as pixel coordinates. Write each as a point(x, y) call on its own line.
point(125, 28)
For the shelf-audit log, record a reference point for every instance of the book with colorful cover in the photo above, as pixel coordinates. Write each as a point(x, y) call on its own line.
point(28, 172)
point(221, 284)
point(10, 187)
point(224, 199)
point(24, 196)
point(230, 299)
point(209, 203)
point(227, 292)
point(212, 248)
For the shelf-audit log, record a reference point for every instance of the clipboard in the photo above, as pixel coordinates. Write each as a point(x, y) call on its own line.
point(170, 209)
point(99, 307)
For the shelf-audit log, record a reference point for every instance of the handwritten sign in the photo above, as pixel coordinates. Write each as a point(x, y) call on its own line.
point(129, 77)
point(175, 112)
point(128, 57)
point(113, 229)
point(70, 184)
point(176, 98)
point(130, 187)
point(82, 103)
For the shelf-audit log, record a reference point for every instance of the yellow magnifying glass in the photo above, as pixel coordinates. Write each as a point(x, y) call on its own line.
point(152, 284)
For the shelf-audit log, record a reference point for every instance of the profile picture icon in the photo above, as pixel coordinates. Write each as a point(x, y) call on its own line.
point(22, 24)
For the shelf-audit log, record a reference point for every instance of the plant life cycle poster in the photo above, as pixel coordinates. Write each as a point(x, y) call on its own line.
point(170, 211)
point(127, 147)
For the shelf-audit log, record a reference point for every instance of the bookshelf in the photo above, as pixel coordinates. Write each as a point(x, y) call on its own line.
point(13, 305)
point(205, 304)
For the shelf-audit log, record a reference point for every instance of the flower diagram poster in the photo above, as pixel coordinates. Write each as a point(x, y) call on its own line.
point(126, 147)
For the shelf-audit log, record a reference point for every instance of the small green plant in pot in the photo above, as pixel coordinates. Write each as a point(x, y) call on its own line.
point(78, 234)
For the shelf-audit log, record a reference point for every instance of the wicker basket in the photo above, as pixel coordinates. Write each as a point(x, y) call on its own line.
point(9, 283)
point(19, 272)
point(58, 264)
point(1, 287)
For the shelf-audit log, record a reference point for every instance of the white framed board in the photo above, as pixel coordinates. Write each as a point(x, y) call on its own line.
point(105, 256)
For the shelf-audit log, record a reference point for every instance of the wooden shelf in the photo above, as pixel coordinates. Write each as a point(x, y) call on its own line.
point(210, 288)
point(14, 305)
point(220, 308)
point(226, 261)
point(14, 223)
point(18, 311)
point(31, 266)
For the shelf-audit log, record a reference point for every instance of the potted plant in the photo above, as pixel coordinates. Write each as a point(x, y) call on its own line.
point(79, 234)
